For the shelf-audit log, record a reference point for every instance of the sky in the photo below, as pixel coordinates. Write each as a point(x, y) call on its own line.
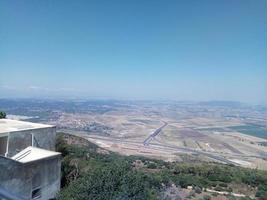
point(134, 49)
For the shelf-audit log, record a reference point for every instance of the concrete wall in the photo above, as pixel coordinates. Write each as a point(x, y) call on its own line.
point(12, 176)
point(18, 178)
point(3, 145)
point(43, 138)
point(50, 177)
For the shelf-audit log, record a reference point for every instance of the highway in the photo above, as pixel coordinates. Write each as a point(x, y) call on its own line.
point(165, 147)
point(154, 134)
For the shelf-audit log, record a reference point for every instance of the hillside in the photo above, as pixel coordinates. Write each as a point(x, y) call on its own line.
point(90, 172)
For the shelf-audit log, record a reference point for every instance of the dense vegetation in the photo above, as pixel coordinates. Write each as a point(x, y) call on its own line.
point(2, 115)
point(88, 173)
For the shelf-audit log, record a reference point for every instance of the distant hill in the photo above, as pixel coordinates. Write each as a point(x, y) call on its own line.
point(221, 103)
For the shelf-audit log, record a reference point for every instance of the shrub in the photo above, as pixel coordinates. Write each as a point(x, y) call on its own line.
point(218, 188)
point(152, 165)
point(222, 184)
point(262, 195)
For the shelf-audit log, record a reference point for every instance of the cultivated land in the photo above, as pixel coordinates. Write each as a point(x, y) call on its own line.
point(173, 131)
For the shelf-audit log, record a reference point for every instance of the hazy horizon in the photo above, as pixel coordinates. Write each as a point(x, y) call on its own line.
point(134, 50)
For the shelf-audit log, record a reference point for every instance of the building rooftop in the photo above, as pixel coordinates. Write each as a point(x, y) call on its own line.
point(9, 125)
point(33, 153)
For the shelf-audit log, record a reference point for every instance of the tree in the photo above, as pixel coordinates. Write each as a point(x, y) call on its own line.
point(2, 115)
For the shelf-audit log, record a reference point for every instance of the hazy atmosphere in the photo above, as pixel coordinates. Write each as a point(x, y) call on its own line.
point(179, 50)
point(133, 99)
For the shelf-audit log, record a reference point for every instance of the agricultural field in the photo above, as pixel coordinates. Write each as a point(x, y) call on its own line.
point(223, 132)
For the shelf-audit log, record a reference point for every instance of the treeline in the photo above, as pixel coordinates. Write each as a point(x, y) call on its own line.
point(88, 174)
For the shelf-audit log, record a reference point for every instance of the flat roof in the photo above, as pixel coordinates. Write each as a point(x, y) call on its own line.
point(9, 125)
point(33, 153)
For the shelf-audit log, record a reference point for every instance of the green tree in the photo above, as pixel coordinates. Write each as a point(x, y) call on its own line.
point(88, 174)
point(2, 115)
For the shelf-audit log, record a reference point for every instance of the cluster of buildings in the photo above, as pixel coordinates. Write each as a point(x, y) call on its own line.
point(29, 166)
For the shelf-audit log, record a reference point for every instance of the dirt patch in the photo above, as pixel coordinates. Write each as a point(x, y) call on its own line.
point(186, 133)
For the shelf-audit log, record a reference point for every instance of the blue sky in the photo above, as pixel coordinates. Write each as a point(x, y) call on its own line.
point(141, 49)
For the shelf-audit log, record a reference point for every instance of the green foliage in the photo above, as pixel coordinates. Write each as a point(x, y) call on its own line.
point(2, 115)
point(218, 188)
point(116, 181)
point(152, 165)
point(87, 174)
point(262, 192)
point(222, 184)
point(102, 176)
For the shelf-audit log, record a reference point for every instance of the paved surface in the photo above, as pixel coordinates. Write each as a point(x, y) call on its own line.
point(149, 147)
point(154, 134)
point(160, 147)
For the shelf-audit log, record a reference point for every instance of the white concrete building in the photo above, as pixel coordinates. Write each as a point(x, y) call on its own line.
point(29, 166)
